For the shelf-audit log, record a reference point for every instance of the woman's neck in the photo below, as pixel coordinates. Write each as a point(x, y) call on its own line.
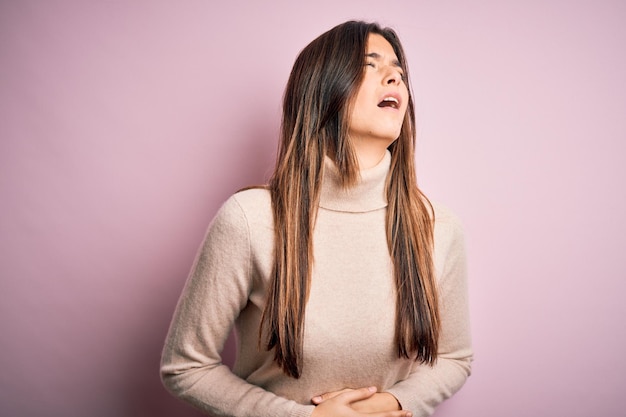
point(366, 195)
point(370, 153)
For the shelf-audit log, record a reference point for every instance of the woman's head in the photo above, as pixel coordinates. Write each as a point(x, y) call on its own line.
point(322, 92)
point(378, 108)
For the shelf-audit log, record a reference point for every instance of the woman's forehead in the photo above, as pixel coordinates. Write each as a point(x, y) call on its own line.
point(379, 48)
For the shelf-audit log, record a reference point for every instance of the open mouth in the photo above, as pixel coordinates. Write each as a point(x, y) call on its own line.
point(389, 102)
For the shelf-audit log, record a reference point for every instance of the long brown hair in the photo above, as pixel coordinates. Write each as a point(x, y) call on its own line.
point(316, 108)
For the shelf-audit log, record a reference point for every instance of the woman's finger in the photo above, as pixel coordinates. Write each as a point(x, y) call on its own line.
point(354, 395)
point(328, 395)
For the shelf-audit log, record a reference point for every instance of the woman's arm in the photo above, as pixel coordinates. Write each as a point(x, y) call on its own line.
point(427, 387)
point(215, 293)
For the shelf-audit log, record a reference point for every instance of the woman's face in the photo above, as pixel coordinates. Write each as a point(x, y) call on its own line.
point(382, 98)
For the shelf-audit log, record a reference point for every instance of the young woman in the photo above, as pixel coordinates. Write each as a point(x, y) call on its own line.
point(347, 289)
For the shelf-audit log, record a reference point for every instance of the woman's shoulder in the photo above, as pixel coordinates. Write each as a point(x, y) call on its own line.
point(253, 199)
point(253, 204)
point(444, 214)
point(448, 225)
point(243, 212)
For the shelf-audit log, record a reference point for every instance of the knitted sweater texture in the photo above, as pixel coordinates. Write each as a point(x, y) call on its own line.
point(350, 314)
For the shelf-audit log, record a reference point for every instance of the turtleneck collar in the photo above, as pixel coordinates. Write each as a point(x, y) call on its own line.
point(367, 195)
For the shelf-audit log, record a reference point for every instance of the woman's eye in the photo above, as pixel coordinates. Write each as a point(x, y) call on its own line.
point(371, 64)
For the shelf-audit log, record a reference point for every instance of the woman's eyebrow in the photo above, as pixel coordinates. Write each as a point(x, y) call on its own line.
point(376, 56)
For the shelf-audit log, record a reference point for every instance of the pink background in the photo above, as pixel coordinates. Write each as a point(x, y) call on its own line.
point(123, 127)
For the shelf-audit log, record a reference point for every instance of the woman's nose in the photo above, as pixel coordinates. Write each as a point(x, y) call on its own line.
point(392, 76)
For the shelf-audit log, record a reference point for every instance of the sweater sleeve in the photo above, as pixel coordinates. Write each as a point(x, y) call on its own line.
point(426, 387)
point(215, 292)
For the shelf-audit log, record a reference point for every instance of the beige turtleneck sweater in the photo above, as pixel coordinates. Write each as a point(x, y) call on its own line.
point(349, 324)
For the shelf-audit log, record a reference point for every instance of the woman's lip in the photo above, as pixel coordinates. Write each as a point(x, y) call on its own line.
point(391, 95)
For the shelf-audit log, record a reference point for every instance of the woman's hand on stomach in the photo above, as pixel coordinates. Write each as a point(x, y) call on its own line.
point(356, 402)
